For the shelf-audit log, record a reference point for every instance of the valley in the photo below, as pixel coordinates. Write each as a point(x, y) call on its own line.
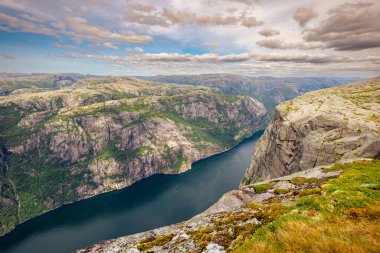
point(103, 134)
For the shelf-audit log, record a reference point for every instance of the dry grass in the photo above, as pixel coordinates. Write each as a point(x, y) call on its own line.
point(320, 237)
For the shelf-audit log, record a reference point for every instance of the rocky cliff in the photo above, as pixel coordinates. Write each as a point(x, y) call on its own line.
point(318, 128)
point(98, 135)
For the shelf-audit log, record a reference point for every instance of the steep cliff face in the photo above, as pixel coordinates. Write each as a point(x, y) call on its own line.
point(319, 128)
point(104, 134)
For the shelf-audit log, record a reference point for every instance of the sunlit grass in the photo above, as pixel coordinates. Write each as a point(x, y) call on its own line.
point(344, 218)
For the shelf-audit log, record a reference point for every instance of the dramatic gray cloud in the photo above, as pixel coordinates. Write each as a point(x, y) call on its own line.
point(304, 15)
point(268, 32)
point(349, 27)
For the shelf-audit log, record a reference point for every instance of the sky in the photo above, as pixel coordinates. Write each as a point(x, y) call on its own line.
point(152, 37)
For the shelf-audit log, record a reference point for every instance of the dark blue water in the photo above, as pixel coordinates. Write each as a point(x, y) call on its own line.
point(150, 203)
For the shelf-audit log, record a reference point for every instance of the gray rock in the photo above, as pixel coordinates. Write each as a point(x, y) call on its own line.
point(319, 128)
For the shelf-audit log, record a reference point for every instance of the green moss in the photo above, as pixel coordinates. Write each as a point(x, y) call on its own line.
point(149, 243)
point(307, 192)
point(302, 180)
point(336, 167)
point(261, 188)
point(279, 191)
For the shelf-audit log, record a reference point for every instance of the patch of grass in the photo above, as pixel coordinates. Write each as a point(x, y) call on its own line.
point(261, 188)
point(149, 243)
point(345, 218)
point(336, 167)
point(280, 191)
point(311, 191)
point(302, 180)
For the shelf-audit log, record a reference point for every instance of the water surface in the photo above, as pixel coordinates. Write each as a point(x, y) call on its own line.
point(150, 203)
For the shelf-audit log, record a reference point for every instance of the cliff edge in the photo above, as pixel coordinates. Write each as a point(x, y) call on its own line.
point(319, 128)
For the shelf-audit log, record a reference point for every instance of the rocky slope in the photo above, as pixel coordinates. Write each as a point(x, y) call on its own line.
point(319, 128)
point(97, 135)
point(242, 219)
point(271, 91)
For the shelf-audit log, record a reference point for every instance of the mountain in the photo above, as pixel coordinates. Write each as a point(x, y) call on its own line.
point(319, 128)
point(322, 194)
point(271, 91)
point(100, 134)
point(12, 83)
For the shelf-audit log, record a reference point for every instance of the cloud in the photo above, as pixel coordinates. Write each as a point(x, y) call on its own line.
point(69, 47)
point(247, 2)
point(211, 44)
point(67, 9)
point(145, 14)
point(138, 50)
point(351, 27)
point(268, 32)
point(83, 30)
point(348, 6)
point(107, 45)
point(75, 27)
point(302, 58)
point(304, 15)
point(140, 56)
point(8, 56)
point(278, 44)
point(26, 25)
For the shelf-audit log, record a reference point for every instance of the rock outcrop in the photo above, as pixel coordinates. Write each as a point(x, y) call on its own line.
point(318, 128)
point(101, 134)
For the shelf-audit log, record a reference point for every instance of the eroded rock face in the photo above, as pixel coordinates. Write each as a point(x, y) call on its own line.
point(319, 128)
point(105, 134)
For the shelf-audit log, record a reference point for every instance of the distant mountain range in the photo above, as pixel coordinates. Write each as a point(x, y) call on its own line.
point(21, 82)
point(271, 91)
